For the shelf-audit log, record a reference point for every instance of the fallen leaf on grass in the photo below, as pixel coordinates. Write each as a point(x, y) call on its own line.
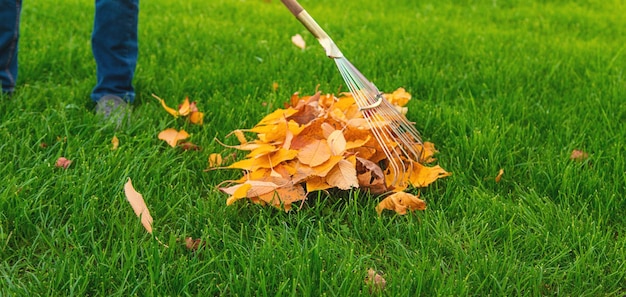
point(500, 174)
point(298, 41)
point(375, 281)
point(62, 162)
point(172, 136)
point(215, 160)
point(139, 205)
point(193, 244)
point(578, 155)
point(115, 143)
point(400, 202)
point(185, 109)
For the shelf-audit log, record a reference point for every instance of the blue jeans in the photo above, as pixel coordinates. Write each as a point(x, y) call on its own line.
point(113, 42)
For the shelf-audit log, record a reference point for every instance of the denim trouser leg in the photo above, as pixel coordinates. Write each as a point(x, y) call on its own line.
point(115, 48)
point(9, 34)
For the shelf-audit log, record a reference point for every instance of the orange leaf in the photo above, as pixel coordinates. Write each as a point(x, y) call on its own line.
point(423, 176)
point(284, 196)
point(343, 176)
point(169, 110)
point(115, 143)
point(315, 153)
point(139, 205)
point(499, 177)
point(171, 136)
point(196, 117)
point(400, 202)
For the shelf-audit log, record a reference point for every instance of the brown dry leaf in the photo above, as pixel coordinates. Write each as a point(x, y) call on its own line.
point(371, 176)
point(400, 202)
point(188, 146)
point(578, 155)
point(193, 244)
point(63, 162)
point(337, 142)
point(115, 143)
point(499, 176)
point(375, 281)
point(298, 41)
point(139, 205)
point(172, 136)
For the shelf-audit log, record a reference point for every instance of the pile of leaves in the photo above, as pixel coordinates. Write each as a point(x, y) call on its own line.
point(322, 142)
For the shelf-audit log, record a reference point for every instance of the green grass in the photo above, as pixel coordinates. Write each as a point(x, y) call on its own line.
point(496, 84)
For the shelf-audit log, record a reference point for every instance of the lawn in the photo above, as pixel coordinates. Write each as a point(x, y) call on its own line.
point(512, 85)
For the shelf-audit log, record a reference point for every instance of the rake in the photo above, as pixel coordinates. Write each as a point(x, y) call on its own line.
point(398, 138)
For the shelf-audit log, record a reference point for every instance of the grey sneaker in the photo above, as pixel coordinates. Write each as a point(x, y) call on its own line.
point(113, 109)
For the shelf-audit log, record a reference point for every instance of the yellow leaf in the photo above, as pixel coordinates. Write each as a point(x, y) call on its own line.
point(171, 136)
point(423, 176)
point(316, 184)
point(139, 205)
point(400, 202)
point(215, 160)
point(343, 176)
point(240, 192)
point(115, 143)
point(183, 109)
point(169, 110)
point(315, 153)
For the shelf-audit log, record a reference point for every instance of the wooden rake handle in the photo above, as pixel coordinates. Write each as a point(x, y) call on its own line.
point(310, 24)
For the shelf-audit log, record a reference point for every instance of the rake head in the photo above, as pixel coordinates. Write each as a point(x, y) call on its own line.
point(398, 138)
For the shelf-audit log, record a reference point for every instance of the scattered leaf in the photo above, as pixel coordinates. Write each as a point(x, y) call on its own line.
point(274, 86)
point(169, 110)
point(193, 244)
point(499, 176)
point(215, 160)
point(578, 155)
point(188, 146)
point(375, 281)
point(62, 162)
point(298, 41)
point(115, 143)
point(172, 136)
point(196, 117)
point(139, 205)
point(400, 202)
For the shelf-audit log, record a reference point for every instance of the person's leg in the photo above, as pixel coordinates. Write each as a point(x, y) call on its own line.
point(115, 48)
point(9, 34)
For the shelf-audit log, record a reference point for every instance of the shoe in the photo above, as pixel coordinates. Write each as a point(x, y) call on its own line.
point(113, 108)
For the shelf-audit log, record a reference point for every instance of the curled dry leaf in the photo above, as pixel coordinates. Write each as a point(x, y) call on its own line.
point(185, 109)
point(139, 205)
point(500, 174)
point(172, 136)
point(400, 202)
point(375, 281)
point(63, 162)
